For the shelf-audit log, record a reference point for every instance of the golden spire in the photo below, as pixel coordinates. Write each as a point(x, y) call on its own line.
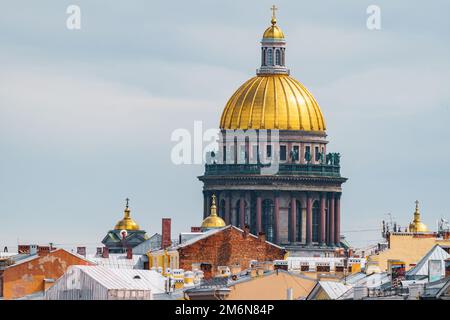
point(213, 220)
point(417, 225)
point(274, 18)
point(126, 223)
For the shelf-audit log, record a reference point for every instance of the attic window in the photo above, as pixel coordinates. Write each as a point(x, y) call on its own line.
point(136, 277)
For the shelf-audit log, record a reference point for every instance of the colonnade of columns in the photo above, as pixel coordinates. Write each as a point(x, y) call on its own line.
point(329, 214)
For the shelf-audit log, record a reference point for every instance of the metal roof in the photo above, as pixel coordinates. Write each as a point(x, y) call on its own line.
point(421, 268)
point(117, 261)
point(334, 289)
point(129, 279)
point(210, 233)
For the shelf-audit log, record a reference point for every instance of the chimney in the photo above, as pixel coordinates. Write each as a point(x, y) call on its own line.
point(43, 250)
point(196, 229)
point(246, 231)
point(290, 294)
point(165, 241)
point(105, 253)
point(262, 236)
point(207, 270)
point(23, 249)
point(81, 251)
point(129, 253)
point(99, 251)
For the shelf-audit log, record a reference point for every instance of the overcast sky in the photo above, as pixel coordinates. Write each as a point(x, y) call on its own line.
point(86, 115)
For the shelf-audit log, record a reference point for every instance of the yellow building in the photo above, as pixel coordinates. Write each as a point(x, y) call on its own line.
point(408, 247)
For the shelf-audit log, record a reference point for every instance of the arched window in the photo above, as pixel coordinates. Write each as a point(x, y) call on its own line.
point(222, 208)
point(277, 58)
point(263, 62)
point(315, 221)
point(268, 219)
point(270, 57)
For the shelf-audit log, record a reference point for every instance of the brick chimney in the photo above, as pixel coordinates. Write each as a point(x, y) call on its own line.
point(262, 236)
point(246, 231)
point(105, 253)
point(43, 250)
point(196, 229)
point(207, 270)
point(129, 253)
point(81, 251)
point(166, 241)
point(23, 248)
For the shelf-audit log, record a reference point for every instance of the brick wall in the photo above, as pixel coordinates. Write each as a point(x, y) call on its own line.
point(228, 247)
point(28, 277)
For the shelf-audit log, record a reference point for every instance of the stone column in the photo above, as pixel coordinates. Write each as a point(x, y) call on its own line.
point(205, 204)
point(332, 206)
point(277, 218)
point(228, 208)
point(258, 213)
point(293, 220)
point(242, 211)
point(308, 219)
point(337, 232)
point(323, 199)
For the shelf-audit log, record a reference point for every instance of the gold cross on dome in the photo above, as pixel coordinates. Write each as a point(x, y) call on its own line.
point(273, 11)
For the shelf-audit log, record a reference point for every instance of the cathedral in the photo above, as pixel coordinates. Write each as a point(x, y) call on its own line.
point(299, 205)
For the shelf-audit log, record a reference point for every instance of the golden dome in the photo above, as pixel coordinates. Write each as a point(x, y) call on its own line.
point(127, 223)
point(213, 220)
point(273, 32)
point(272, 102)
point(417, 225)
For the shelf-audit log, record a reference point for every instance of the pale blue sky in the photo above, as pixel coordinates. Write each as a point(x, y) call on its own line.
point(86, 116)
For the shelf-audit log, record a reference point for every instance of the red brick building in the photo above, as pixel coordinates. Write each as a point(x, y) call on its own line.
point(37, 272)
point(225, 247)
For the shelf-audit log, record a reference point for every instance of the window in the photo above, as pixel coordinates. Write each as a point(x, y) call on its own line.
point(277, 58)
point(283, 153)
point(296, 154)
point(316, 154)
point(270, 57)
point(299, 221)
point(224, 152)
point(268, 219)
point(307, 153)
point(269, 150)
point(315, 221)
point(263, 57)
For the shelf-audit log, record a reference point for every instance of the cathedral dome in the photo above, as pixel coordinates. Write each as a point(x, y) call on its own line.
point(272, 101)
point(213, 221)
point(417, 225)
point(127, 223)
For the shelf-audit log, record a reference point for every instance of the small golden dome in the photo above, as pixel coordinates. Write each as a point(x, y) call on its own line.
point(272, 102)
point(213, 220)
point(273, 32)
point(417, 225)
point(127, 223)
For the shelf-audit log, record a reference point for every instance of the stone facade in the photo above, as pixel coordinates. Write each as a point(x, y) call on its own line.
point(297, 206)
